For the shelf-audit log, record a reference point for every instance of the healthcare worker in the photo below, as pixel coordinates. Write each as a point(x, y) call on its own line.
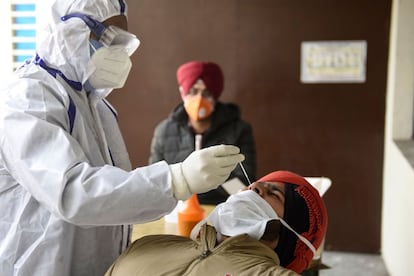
point(68, 194)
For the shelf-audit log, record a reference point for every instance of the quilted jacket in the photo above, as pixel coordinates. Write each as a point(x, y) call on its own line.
point(174, 140)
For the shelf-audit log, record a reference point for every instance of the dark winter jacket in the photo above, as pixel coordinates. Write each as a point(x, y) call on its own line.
point(174, 140)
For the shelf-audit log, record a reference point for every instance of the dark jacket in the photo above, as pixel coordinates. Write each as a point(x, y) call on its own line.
point(174, 140)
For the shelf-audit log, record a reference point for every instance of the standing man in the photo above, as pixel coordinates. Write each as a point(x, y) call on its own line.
point(200, 121)
point(67, 191)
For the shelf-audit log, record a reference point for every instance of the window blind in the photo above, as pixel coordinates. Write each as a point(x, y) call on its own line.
point(23, 31)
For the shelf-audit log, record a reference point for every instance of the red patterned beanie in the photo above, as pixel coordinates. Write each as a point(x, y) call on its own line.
point(209, 72)
point(306, 213)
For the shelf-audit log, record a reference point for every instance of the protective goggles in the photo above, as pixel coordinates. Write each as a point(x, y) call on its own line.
point(108, 35)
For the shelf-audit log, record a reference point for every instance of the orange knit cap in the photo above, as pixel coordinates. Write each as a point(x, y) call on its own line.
point(210, 73)
point(306, 213)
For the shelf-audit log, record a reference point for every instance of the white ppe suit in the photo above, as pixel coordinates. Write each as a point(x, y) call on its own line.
point(62, 212)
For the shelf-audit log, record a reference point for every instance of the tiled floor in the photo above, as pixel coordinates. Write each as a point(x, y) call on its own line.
point(350, 264)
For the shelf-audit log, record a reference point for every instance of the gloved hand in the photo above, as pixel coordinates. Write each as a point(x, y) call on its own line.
point(204, 170)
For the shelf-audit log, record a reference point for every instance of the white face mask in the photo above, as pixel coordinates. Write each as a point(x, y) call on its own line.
point(109, 67)
point(244, 213)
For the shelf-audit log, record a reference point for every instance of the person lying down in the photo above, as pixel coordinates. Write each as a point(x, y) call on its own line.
point(272, 227)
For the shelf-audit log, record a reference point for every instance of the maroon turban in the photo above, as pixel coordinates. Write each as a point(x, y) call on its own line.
point(210, 73)
point(306, 213)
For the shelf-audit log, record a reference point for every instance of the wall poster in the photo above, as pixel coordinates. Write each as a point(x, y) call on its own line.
point(333, 61)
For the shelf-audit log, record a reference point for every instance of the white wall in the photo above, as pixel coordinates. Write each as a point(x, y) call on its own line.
point(397, 238)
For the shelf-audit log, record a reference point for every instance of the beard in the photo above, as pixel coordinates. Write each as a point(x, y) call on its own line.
point(272, 230)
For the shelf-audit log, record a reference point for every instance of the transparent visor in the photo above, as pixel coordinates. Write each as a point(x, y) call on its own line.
point(108, 35)
point(116, 36)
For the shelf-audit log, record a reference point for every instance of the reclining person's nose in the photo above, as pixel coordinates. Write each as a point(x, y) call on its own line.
point(256, 188)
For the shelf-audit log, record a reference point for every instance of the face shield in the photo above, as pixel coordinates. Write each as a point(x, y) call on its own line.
point(108, 35)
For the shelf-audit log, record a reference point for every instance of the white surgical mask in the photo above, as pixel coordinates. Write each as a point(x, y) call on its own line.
point(109, 67)
point(243, 213)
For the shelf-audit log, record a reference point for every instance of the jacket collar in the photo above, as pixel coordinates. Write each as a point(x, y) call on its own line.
point(240, 243)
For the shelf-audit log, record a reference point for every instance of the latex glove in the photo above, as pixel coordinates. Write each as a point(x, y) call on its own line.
point(204, 170)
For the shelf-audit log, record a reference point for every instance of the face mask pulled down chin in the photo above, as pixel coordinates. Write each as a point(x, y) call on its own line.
point(109, 67)
point(198, 108)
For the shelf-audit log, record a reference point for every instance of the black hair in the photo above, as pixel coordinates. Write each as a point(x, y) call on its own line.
point(272, 230)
